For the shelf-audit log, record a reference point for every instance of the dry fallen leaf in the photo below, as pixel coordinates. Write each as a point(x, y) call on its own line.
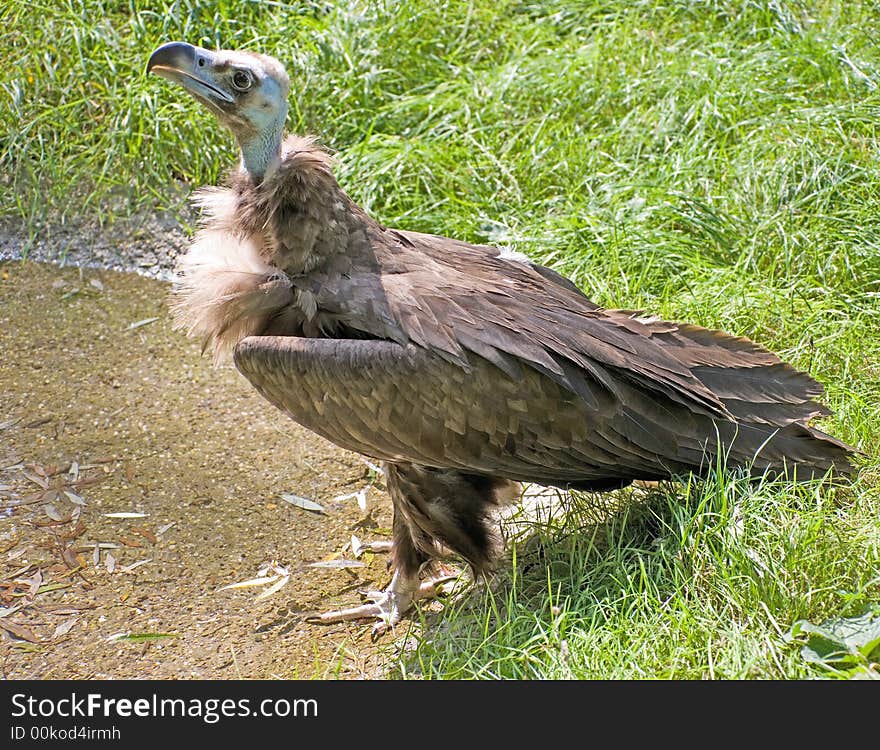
point(19, 631)
point(71, 559)
point(134, 565)
point(340, 563)
point(261, 581)
point(360, 496)
point(304, 503)
point(74, 498)
point(62, 610)
point(64, 627)
point(37, 479)
point(145, 533)
point(280, 584)
point(36, 581)
point(356, 546)
point(10, 462)
point(139, 323)
point(278, 579)
point(53, 513)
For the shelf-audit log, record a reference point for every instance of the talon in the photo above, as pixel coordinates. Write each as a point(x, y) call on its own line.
point(344, 615)
point(379, 629)
point(387, 606)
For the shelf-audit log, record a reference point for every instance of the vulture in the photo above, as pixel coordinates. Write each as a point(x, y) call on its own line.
point(465, 369)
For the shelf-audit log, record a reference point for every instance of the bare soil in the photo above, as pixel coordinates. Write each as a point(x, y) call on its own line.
point(105, 409)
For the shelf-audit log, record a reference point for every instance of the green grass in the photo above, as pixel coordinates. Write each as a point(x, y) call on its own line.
point(700, 581)
point(714, 161)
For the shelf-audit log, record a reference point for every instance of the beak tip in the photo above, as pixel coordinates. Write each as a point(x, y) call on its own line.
point(171, 54)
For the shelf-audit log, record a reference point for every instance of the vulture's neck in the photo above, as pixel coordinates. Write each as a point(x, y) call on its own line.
point(261, 151)
point(297, 213)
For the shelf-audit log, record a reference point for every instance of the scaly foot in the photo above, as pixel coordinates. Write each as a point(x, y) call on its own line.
point(387, 606)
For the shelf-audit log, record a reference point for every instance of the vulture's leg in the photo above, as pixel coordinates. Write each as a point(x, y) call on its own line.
point(389, 605)
point(433, 509)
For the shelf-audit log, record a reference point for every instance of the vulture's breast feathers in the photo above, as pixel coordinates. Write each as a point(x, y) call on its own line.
point(224, 288)
point(236, 278)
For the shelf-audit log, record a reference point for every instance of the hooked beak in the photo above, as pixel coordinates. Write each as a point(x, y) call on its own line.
point(191, 67)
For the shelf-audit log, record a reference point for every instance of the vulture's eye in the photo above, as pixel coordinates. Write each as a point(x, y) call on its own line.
point(242, 80)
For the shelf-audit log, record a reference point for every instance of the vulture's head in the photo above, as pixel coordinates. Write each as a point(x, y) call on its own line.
point(245, 90)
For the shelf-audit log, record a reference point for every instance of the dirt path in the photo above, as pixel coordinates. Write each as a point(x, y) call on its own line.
point(127, 417)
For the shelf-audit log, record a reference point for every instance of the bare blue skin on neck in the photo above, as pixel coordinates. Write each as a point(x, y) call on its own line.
point(260, 151)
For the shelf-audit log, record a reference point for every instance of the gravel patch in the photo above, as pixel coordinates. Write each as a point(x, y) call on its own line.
point(147, 244)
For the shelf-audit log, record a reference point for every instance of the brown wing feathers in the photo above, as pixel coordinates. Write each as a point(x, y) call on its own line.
point(509, 307)
point(723, 375)
point(402, 403)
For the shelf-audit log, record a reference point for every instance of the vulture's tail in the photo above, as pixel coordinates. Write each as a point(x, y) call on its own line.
point(770, 401)
point(796, 451)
